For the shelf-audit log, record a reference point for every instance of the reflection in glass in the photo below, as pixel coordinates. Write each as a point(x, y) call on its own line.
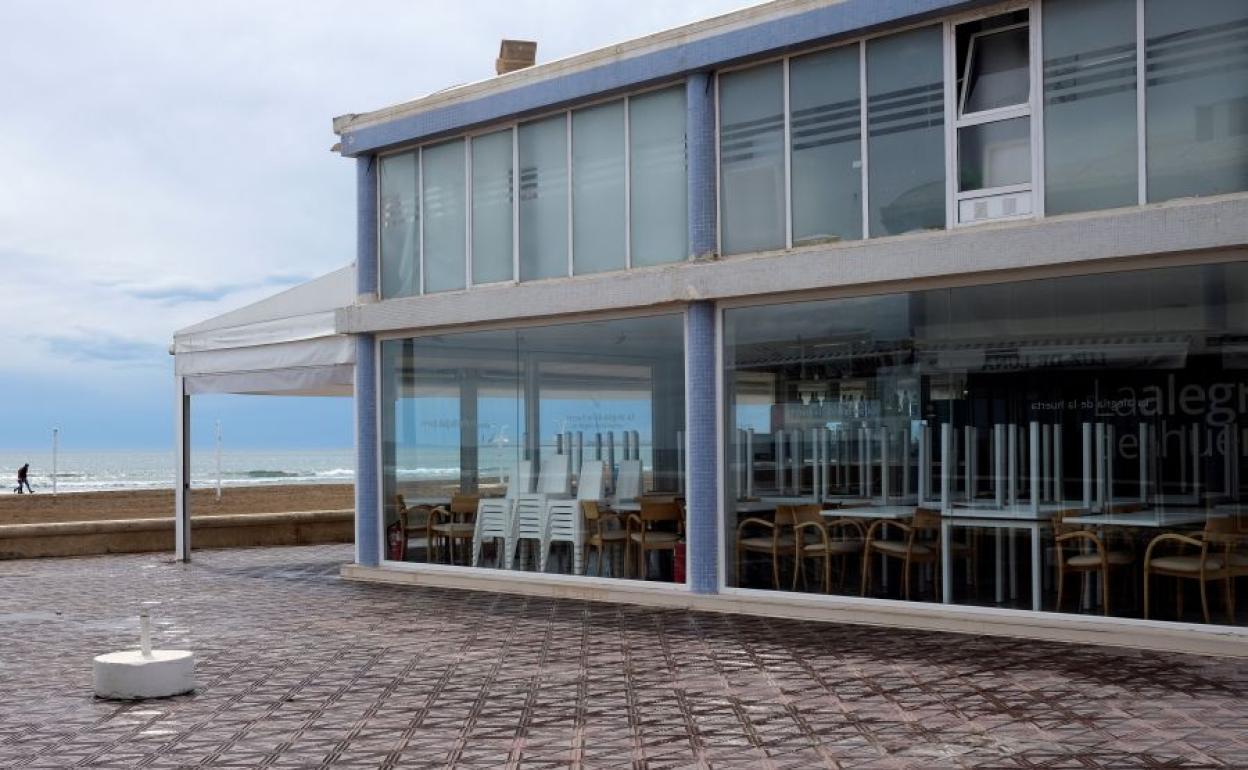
point(658, 182)
point(598, 204)
point(751, 158)
point(957, 430)
point(517, 428)
point(1090, 138)
point(905, 123)
point(443, 205)
point(994, 154)
point(825, 116)
point(491, 207)
point(543, 199)
point(1197, 99)
point(400, 225)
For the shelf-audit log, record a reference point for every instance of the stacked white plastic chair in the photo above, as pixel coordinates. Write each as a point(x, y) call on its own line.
point(494, 515)
point(628, 483)
point(529, 513)
point(564, 522)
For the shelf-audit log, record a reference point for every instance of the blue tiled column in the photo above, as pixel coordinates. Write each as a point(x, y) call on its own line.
point(700, 140)
point(367, 511)
point(702, 418)
point(702, 489)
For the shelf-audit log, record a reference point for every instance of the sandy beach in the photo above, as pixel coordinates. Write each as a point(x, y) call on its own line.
point(42, 508)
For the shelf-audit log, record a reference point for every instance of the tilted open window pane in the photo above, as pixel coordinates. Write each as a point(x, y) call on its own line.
point(400, 225)
point(905, 120)
point(445, 216)
point(826, 143)
point(1197, 99)
point(544, 198)
point(997, 74)
point(491, 207)
point(751, 157)
point(598, 200)
point(1090, 138)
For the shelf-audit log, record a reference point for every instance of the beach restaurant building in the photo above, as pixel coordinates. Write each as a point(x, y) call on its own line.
point(915, 312)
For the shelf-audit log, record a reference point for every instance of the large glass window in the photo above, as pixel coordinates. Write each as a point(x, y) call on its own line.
point(492, 186)
point(598, 198)
point(751, 159)
point(1021, 445)
point(905, 126)
point(400, 225)
point(1197, 97)
point(444, 207)
point(659, 184)
point(1090, 136)
point(545, 448)
point(825, 115)
point(544, 198)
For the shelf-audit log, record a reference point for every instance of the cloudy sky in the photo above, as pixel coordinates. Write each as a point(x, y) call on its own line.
point(162, 162)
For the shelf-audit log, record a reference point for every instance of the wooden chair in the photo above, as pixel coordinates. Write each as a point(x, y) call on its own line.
point(780, 541)
point(452, 525)
point(599, 535)
point(643, 535)
point(1219, 558)
point(1092, 553)
point(920, 546)
point(415, 521)
point(817, 538)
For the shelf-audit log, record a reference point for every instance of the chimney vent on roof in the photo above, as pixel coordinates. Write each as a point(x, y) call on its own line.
point(515, 55)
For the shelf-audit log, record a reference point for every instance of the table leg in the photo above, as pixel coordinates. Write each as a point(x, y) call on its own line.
point(1035, 567)
point(946, 565)
point(1000, 559)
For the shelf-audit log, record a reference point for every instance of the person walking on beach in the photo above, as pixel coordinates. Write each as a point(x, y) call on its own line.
point(22, 480)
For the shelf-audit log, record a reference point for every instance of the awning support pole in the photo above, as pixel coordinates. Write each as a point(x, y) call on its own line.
point(182, 471)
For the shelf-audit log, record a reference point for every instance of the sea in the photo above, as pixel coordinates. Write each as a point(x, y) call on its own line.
point(80, 471)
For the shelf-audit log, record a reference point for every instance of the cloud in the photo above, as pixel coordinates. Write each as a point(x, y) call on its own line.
point(89, 348)
point(172, 292)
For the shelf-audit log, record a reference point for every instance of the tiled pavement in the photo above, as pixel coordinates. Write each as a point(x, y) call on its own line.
point(300, 669)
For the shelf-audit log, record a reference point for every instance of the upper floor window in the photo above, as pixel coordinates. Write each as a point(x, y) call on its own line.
point(993, 117)
point(599, 188)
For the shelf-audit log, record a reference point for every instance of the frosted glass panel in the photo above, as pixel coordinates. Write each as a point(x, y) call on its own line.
point(491, 208)
point(751, 146)
point(825, 117)
point(543, 199)
point(444, 216)
point(1197, 99)
point(1090, 147)
point(995, 154)
point(400, 226)
point(905, 125)
point(658, 184)
point(598, 201)
point(998, 75)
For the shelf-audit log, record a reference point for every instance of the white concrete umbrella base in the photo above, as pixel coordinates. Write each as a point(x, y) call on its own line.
point(130, 675)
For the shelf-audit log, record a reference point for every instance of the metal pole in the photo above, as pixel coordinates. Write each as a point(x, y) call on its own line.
point(218, 461)
point(55, 447)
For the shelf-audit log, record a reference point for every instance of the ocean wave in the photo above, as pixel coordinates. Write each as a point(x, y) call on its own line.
point(263, 474)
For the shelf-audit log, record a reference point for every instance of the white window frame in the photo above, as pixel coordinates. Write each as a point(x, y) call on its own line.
point(956, 119)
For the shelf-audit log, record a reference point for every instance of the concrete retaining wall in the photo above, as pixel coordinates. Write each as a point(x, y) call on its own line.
point(25, 541)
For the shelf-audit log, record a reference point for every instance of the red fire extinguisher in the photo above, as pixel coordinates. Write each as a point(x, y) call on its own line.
point(394, 541)
point(678, 563)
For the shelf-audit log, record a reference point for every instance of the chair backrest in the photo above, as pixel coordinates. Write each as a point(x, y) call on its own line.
point(554, 479)
point(925, 518)
point(628, 484)
point(589, 486)
point(589, 509)
point(1223, 531)
point(654, 510)
point(464, 503)
point(520, 479)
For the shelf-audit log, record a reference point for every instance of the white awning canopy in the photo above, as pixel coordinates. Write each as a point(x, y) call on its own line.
point(282, 345)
